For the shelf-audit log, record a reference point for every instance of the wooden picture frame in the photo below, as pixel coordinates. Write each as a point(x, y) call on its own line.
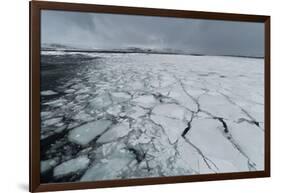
point(34, 100)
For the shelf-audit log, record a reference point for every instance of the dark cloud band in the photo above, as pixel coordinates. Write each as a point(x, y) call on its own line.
point(93, 30)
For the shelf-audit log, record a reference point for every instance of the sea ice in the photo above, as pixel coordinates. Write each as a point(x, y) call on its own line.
point(207, 136)
point(47, 165)
point(83, 116)
point(145, 101)
point(172, 127)
point(136, 112)
point(171, 111)
point(114, 110)
point(179, 95)
point(219, 106)
point(251, 141)
point(52, 121)
point(70, 91)
point(48, 93)
point(191, 159)
point(84, 134)
point(120, 97)
point(152, 115)
point(56, 103)
point(101, 101)
point(115, 159)
point(115, 132)
point(71, 166)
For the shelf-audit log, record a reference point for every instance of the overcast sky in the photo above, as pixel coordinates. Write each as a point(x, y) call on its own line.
point(96, 30)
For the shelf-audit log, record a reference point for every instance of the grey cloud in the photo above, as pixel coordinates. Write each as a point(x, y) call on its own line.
point(95, 30)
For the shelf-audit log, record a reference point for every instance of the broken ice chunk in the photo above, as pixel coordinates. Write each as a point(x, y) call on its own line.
point(115, 132)
point(179, 95)
point(204, 132)
point(219, 106)
point(52, 121)
point(109, 167)
point(120, 97)
point(56, 103)
point(84, 134)
point(135, 85)
point(101, 101)
point(68, 91)
point(136, 112)
point(83, 116)
point(190, 159)
point(81, 97)
point(114, 110)
point(195, 92)
point(172, 111)
point(71, 166)
point(145, 101)
point(48, 93)
point(46, 114)
point(250, 138)
point(47, 165)
point(83, 90)
point(173, 128)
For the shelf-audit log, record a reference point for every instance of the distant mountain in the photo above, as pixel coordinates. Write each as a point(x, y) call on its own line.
point(66, 48)
point(56, 47)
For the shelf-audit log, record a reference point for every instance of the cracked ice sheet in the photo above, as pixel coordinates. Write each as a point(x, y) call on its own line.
point(173, 128)
point(252, 146)
point(173, 118)
point(145, 102)
point(218, 106)
point(206, 135)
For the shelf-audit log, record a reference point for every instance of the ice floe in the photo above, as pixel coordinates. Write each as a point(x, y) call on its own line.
point(115, 158)
point(145, 101)
point(115, 132)
point(48, 93)
point(47, 165)
point(71, 166)
point(84, 134)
